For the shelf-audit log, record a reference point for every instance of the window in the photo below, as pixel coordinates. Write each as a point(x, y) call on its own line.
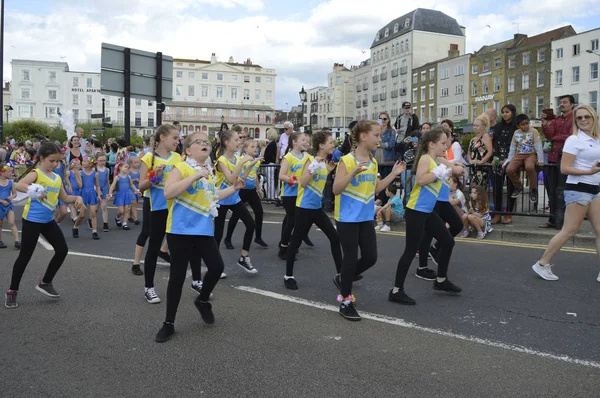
point(234, 93)
point(444, 112)
point(485, 87)
point(423, 94)
point(497, 106)
point(269, 95)
point(120, 117)
point(444, 74)
point(459, 89)
point(120, 101)
point(526, 59)
point(75, 82)
point(89, 82)
point(525, 105)
point(178, 90)
point(151, 119)
point(338, 79)
point(138, 102)
point(474, 88)
point(431, 74)
point(246, 79)
point(475, 69)
point(594, 45)
point(191, 91)
point(497, 63)
point(576, 97)
point(25, 75)
point(234, 78)
point(496, 84)
point(25, 93)
point(594, 100)
point(204, 76)
point(89, 100)
point(486, 66)
point(474, 111)
point(423, 76)
point(75, 99)
point(219, 92)
point(511, 84)
point(220, 76)
point(414, 79)
point(256, 94)
point(444, 92)
point(51, 94)
point(246, 94)
point(396, 28)
point(191, 112)
point(541, 55)
point(559, 76)
point(539, 106)
point(406, 23)
point(458, 110)
point(541, 77)
point(204, 91)
point(191, 75)
point(387, 32)
point(76, 115)
point(257, 116)
point(138, 119)
point(246, 114)
point(594, 71)
point(179, 74)
point(51, 111)
point(576, 50)
point(512, 62)
point(203, 111)
point(414, 95)
point(179, 112)
point(233, 113)
point(51, 77)
point(26, 111)
point(575, 74)
point(402, 46)
point(432, 92)
point(460, 70)
point(525, 82)
point(268, 80)
point(559, 53)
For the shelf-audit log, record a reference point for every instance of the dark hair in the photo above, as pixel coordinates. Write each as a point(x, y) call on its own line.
point(362, 127)
point(114, 147)
point(70, 140)
point(237, 128)
point(224, 136)
point(459, 185)
point(293, 138)
point(512, 110)
point(318, 138)
point(569, 96)
point(161, 131)
point(46, 149)
point(520, 118)
point(121, 142)
point(147, 140)
point(352, 124)
point(392, 188)
point(449, 122)
point(482, 202)
point(175, 123)
point(433, 135)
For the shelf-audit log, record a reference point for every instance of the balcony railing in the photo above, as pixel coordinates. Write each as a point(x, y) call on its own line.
point(382, 96)
point(375, 98)
point(365, 86)
point(358, 87)
point(383, 76)
point(375, 78)
point(404, 70)
point(403, 92)
point(358, 103)
point(394, 93)
point(395, 72)
point(365, 102)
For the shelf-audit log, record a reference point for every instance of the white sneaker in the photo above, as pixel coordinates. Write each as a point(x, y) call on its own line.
point(464, 234)
point(544, 271)
point(385, 228)
point(598, 279)
point(378, 227)
point(481, 235)
point(151, 296)
point(223, 275)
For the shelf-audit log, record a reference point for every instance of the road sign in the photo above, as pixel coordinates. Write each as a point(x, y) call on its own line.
point(106, 119)
point(97, 115)
point(107, 125)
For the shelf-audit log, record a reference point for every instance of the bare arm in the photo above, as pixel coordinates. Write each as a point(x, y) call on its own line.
point(398, 169)
point(487, 141)
point(566, 166)
point(113, 186)
point(343, 177)
point(26, 181)
point(176, 184)
point(69, 199)
point(283, 171)
point(424, 176)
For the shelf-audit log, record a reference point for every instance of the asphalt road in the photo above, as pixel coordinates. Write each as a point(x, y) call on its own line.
point(508, 334)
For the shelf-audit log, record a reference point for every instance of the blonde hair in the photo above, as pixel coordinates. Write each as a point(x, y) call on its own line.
point(485, 119)
point(595, 129)
point(272, 134)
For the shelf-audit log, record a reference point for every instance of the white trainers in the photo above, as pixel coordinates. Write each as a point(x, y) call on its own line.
point(151, 296)
point(385, 228)
point(481, 235)
point(544, 271)
point(223, 275)
point(378, 227)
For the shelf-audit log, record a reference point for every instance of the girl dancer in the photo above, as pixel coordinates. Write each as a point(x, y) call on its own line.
point(62, 171)
point(309, 209)
point(420, 216)
point(8, 191)
point(134, 172)
point(355, 187)
point(190, 230)
point(44, 187)
point(103, 174)
point(250, 194)
point(90, 193)
point(75, 184)
point(155, 170)
point(228, 167)
point(290, 173)
point(125, 193)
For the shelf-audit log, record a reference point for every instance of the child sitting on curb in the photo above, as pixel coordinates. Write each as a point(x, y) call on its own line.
point(479, 214)
point(392, 211)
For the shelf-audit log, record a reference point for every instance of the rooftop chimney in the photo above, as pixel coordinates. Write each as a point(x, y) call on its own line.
point(213, 58)
point(248, 62)
point(231, 61)
point(518, 38)
point(454, 51)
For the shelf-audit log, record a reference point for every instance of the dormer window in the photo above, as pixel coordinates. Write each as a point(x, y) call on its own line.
point(396, 28)
point(387, 32)
point(406, 23)
point(377, 37)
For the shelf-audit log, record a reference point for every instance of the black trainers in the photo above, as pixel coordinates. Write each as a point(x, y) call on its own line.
point(165, 256)
point(89, 223)
point(337, 281)
point(126, 227)
point(246, 264)
point(75, 232)
point(205, 311)
point(446, 286)
point(261, 243)
point(308, 242)
point(118, 222)
point(95, 236)
point(136, 222)
point(517, 192)
point(47, 289)
point(2, 245)
point(135, 268)
point(533, 195)
point(290, 283)
point(165, 333)
point(426, 274)
point(228, 244)
point(401, 297)
point(10, 299)
point(105, 227)
point(17, 245)
point(349, 312)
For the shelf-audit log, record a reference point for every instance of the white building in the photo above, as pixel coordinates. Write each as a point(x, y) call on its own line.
point(207, 93)
point(453, 88)
point(574, 64)
point(7, 101)
point(362, 78)
point(332, 106)
point(404, 44)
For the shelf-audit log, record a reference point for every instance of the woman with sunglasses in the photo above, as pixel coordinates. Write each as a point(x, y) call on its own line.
point(581, 163)
point(388, 142)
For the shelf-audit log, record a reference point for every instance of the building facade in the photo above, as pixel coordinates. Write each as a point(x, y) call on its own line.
point(424, 92)
point(453, 89)
point(362, 80)
point(406, 43)
point(575, 61)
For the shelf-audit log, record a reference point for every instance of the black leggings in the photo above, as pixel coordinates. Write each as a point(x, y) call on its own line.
point(448, 215)
point(243, 214)
point(248, 196)
point(158, 225)
point(304, 220)
point(184, 248)
point(29, 238)
point(417, 224)
point(287, 226)
point(352, 236)
point(145, 232)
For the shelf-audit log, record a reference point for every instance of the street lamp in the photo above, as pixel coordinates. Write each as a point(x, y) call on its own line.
point(303, 100)
point(222, 119)
point(595, 52)
point(6, 109)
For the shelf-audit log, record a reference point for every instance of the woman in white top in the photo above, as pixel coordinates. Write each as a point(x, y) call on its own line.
point(581, 163)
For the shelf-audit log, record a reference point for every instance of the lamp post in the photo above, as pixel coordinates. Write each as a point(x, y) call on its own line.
point(8, 108)
point(595, 52)
point(302, 94)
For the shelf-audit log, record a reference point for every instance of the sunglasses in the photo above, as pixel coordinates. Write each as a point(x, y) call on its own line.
point(201, 143)
point(583, 117)
point(384, 119)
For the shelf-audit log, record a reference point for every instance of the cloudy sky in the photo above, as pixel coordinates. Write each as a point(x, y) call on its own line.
point(301, 40)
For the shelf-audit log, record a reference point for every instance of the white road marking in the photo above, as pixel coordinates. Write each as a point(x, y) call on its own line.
point(410, 325)
point(8, 230)
point(45, 244)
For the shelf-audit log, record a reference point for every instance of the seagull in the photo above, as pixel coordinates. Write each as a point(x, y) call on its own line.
point(489, 26)
point(363, 51)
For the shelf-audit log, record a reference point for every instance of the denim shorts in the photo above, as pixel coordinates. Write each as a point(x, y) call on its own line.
point(583, 198)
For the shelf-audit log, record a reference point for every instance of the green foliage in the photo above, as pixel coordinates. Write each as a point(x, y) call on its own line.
point(24, 130)
point(466, 140)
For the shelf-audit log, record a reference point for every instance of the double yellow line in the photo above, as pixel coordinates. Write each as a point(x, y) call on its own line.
point(507, 244)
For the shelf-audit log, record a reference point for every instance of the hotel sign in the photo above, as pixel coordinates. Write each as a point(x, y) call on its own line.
point(484, 98)
point(83, 90)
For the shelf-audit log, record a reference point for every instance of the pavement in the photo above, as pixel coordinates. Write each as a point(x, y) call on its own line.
point(508, 334)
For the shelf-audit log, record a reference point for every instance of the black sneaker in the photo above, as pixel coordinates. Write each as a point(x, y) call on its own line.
point(228, 244)
point(2, 245)
point(10, 299)
point(308, 242)
point(164, 334)
point(246, 264)
point(337, 281)
point(517, 192)
point(426, 274)
point(533, 195)
point(136, 222)
point(95, 236)
point(446, 286)
point(290, 283)
point(105, 227)
point(205, 311)
point(126, 227)
point(130, 219)
point(165, 256)
point(135, 268)
point(349, 312)
point(75, 232)
point(401, 297)
point(118, 222)
point(17, 245)
point(89, 223)
point(261, 243)
point(47, 289)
